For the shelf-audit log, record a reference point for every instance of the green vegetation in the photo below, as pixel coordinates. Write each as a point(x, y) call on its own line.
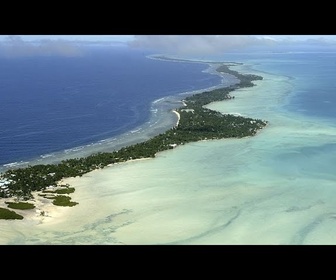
point(245, 79)
point(20, 205)
point(58, 198)
point(63, 200)
point(7, 214)
point(196, 123)
point(65, 191)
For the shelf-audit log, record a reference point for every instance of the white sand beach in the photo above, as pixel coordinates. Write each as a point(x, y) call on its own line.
point(178, 117)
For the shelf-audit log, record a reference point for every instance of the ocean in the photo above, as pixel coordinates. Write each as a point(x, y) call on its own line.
point(52, 107)
point(277, 187)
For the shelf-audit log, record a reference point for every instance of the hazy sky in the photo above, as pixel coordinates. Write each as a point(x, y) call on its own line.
point(125, 38)
point(80, 38)
point(69, 45)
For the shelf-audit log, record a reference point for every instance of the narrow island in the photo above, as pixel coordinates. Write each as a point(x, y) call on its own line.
point(195, 123)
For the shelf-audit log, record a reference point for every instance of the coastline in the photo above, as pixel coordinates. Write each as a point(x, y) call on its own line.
point(211, 67)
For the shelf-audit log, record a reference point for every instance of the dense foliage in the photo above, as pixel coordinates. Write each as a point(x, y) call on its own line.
point(9, 214)
point(20, 205)
point(63, 200)
point(64, 191)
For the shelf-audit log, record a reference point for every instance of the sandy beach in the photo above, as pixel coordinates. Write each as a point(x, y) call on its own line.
point(44, 211)
point(178, 117)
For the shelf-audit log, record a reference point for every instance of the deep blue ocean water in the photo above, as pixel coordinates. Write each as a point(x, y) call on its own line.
point(53, 103)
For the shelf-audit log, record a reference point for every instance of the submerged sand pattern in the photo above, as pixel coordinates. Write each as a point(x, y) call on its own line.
point(277, 187)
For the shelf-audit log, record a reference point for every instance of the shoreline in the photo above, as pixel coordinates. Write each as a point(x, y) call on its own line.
point(177, 113)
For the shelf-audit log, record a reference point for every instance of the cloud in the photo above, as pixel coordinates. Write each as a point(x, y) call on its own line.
point(184, 45)
point(220, 44)
point(14, 46)
point(197, 44)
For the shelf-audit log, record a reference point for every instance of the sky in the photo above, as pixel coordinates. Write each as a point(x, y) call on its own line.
point(90, 38)
point(127, 38)
point(70, 45)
